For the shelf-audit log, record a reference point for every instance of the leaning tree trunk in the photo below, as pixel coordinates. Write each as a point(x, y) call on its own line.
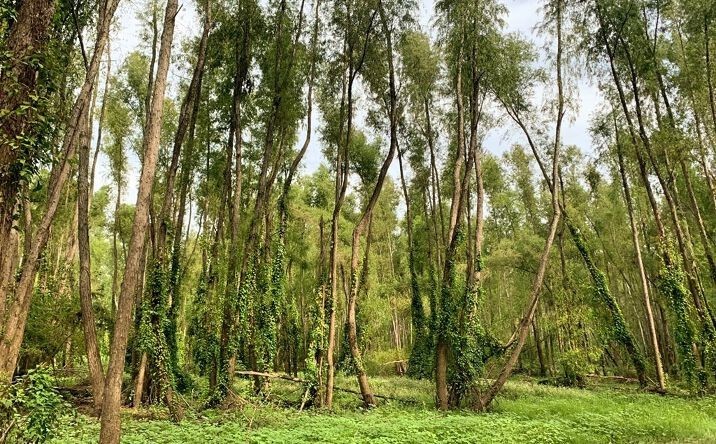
point(642, 271)
point(16, 314)
point(528, 318)
point(110, 421)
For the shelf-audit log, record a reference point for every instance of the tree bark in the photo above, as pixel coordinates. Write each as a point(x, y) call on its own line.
point(26, 39)
point(16, 317)
point(94, 361)
point(642, 271)
point(110, 421)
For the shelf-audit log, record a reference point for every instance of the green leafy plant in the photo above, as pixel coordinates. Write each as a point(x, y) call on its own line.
point(31, 408)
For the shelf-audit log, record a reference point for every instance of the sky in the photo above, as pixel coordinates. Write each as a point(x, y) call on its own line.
point(523, 16)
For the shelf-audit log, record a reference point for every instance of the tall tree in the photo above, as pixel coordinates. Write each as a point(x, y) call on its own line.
point(110, 421)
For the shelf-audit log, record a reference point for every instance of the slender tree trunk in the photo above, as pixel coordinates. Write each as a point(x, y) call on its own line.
point(417, 311)
point(110, 425)
point(709, 72)
point(642, 271)
point(434, 173)
point(441, 349)
point(523, 329)
point(341, 185)
point(366, 391)
point(139, 381)
point(538, 346)
point(676, 294)
point(528, 318)
point(16, 317)
point(94, 361)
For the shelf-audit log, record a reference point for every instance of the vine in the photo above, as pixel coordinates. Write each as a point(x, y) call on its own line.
point(618, 328)
point(671, 284)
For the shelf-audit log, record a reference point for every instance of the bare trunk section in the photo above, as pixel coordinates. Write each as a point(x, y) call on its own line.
point(110, 421)
point(94, 361)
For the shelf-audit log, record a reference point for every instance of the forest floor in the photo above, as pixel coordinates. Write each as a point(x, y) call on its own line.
point(526, 412)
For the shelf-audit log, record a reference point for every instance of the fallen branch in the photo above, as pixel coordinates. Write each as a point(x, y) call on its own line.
point(612, 377)
point(303, 381)
point(396, 362)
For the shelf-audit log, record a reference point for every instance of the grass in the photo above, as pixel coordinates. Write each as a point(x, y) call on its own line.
point(526, 412)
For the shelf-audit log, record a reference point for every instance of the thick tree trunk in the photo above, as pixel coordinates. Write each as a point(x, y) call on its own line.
point(26, 39)
point(110, 425)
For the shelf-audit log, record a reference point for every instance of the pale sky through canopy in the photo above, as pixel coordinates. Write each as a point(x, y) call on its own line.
point(522, 17)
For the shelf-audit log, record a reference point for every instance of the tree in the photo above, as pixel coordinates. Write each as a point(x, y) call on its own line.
point(110, 430)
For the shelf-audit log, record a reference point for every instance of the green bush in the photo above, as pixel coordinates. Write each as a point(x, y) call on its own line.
point(30, 408)
point(576, 364)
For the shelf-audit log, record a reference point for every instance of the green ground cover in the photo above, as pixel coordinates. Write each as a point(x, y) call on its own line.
point(527, 412)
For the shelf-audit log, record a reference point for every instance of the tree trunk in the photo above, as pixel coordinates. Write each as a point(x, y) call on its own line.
point(523, 329)
point(110, 425)
point(139, 381)
point(538, 345)
point(341, 185)
point(458, 198)
point(642, 272)
point(16, 317)
point(26, 39)
point(94, 361)
point(528, 318)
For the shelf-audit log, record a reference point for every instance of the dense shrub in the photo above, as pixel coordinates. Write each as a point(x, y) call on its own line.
point(30, 408)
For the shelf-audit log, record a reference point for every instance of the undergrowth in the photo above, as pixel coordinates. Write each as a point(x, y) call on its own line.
point(526, 412)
